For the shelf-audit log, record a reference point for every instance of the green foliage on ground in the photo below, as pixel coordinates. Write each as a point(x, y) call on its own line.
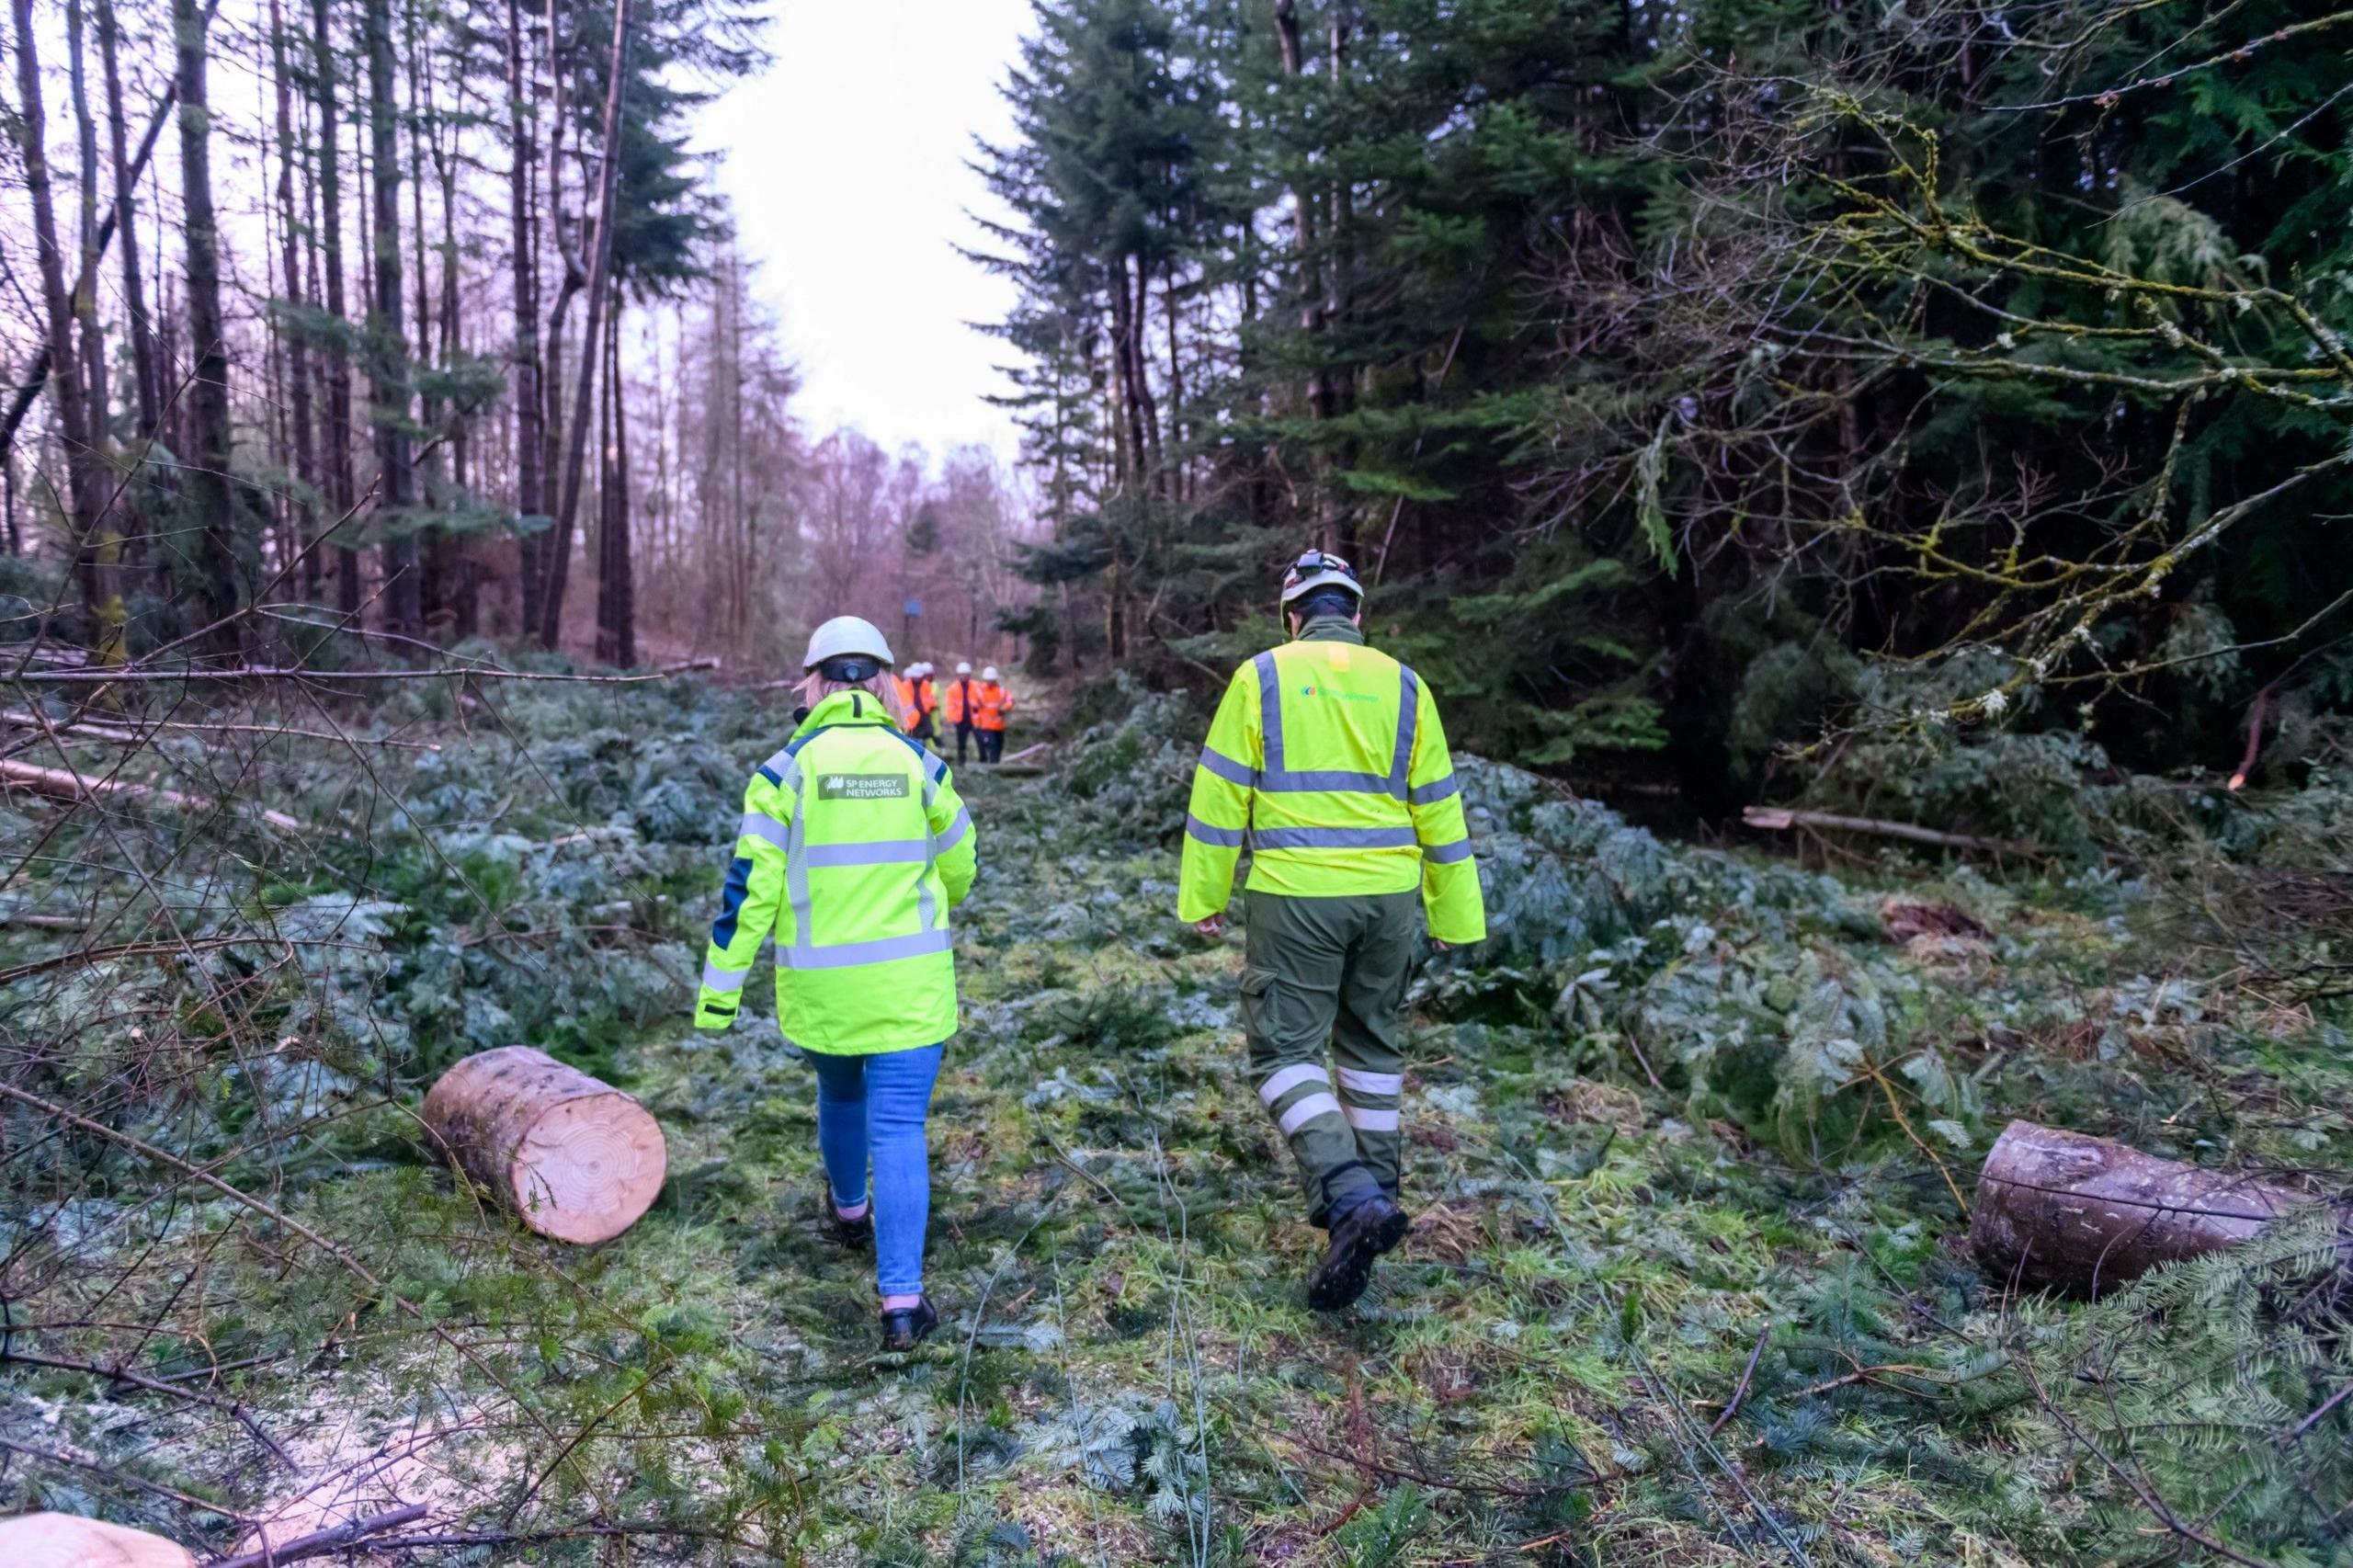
point(1688, 1109)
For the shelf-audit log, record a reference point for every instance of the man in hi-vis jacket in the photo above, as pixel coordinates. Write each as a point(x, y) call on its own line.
point(1327, 761)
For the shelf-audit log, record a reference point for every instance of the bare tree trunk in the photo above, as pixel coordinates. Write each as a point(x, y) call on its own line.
point(342, 487)
point(387, 348)
point(529, 398)
point(106, 546)
point(433, 585)
point(599, 282)
point(615, 581)
point(297, 348)
point(147, 392)
point(208, 491)
point(67, 385)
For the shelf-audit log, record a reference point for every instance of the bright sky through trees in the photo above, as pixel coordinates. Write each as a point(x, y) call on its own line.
point(846, 164)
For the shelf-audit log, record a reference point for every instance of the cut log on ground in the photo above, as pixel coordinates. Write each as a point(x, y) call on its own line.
point(2060, 1211)
point(62, 1540)
point(574, 1158)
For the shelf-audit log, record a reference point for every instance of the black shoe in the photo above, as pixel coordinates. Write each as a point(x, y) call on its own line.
point(904, 1328)
point(1362, 1234)
point(856, 1235)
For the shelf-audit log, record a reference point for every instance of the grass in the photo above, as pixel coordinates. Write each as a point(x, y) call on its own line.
point(1127, 1373)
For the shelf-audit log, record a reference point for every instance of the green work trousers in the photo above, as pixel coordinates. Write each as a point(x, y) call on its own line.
point(1331, 973)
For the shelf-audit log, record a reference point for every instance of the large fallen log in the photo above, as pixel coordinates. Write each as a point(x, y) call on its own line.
point(2060, 1211)
point(574, 1158)
point(65, 1541)
point(58, 785)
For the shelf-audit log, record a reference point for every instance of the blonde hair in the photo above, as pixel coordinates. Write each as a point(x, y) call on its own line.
point(815, 688)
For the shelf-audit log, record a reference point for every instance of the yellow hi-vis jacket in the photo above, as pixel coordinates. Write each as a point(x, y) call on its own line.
point(852, 849)
point(1326, 760)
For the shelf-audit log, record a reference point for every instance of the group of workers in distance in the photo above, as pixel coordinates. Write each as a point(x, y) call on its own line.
point(1326, 762)
point(974, 709)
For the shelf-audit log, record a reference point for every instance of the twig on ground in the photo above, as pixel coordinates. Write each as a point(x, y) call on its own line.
point(1740, 1390)
point(319, 1543)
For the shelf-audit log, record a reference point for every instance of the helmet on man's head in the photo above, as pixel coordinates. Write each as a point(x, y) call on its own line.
point(848, 648)
point(1320, 569)
point(964, 668)
point(989, 675)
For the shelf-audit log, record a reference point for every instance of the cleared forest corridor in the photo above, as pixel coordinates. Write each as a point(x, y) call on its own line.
point(1687, 1141)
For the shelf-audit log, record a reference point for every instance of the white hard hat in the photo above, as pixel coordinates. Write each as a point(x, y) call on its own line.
point(843, 636)
point(989, 675)
point(963, 669)
point(1320, 569)
point(919, 668)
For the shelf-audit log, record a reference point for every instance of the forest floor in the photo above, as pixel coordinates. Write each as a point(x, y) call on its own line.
point(1690, 1147)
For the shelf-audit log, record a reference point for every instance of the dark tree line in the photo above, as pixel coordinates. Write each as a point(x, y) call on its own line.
point(1729, 374)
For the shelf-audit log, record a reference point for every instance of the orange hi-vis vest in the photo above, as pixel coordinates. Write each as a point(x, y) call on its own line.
point(960, 701)
point(909, 713)
point(991, 703)
point(927, 695)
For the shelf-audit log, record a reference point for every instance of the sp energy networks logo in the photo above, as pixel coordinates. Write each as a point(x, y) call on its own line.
point(861, 786)
point(1326, 691)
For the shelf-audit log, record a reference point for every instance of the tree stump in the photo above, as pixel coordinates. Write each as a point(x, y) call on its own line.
point(574, 1158)
point(2063, 1211)
point(62, 1540)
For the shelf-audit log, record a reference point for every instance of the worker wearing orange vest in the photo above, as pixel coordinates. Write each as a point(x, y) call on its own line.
point(903, 692)
point(926, 725)
point(958, 707)
point(991, 703)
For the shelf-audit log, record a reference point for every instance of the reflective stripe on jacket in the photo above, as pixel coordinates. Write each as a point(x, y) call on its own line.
point(991, 703)
point(1327, 761)
point(852, 848)
point(960, 701)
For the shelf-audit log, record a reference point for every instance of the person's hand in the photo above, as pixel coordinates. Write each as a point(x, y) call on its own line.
point(1441, 947)
point(1212, 927)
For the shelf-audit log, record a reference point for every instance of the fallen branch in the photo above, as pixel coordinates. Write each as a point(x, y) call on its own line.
point(1740, 1389)
point(144, 731)
point(60, 785)
point(319, 1543)
point(1782, 818)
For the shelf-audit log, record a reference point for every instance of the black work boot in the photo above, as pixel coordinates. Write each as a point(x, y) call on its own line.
point(1358, 1236)
point(904, 1328)
point(856, 1235)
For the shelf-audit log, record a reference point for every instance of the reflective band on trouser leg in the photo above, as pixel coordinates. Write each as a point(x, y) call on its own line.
point(1289, 1078)
point(1306, 1108)
point(1368, 1033)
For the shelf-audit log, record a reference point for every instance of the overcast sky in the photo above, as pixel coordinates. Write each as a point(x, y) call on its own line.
point(845, 163)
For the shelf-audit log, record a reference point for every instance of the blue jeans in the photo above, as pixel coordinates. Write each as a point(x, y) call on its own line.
point(876, 1106)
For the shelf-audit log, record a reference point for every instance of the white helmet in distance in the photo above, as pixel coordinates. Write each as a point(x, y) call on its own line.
point(964, 668)
point(990, 674)
point(845, 641)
